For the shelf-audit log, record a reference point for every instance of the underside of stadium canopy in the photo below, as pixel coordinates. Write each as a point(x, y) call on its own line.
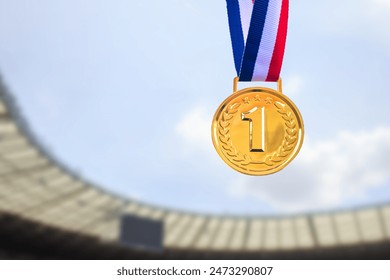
point(47, 211)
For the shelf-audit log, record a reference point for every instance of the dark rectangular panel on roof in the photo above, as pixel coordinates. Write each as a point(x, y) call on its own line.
point(141, 233)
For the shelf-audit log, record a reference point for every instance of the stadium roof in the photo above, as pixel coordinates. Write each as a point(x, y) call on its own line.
point(36, 187)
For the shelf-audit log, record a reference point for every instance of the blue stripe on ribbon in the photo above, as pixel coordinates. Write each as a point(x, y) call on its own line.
point(253, 41)
point(236, 34)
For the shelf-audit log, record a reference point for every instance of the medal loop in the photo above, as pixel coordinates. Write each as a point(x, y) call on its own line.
point(236, 80)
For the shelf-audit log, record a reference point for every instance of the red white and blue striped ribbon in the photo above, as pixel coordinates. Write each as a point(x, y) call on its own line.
point(258, 30)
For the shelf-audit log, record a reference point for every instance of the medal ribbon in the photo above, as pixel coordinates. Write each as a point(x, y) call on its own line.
point(258, 30)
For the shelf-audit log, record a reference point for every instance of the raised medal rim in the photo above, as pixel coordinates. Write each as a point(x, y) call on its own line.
point(253, 90)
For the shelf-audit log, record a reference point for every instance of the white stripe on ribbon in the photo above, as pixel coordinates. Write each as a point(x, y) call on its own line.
point(246, 8)
point(267, 44)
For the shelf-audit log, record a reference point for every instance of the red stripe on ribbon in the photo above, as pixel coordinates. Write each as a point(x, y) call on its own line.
point(277, 57)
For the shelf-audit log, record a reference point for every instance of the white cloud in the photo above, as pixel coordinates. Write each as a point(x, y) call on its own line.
point(381, 4)
point(195, 129)
point(377, 13)
point(325, 174)
point(293, 85)
point(367, 19)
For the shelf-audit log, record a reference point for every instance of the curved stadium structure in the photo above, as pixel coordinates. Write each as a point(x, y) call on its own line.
point(47, 212)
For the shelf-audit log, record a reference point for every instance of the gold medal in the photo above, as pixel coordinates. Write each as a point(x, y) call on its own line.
point(257, 131)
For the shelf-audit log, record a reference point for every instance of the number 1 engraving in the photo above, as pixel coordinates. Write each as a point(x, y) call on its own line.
point(256, 118)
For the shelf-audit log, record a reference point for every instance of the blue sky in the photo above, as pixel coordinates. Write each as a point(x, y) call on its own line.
point(123, 92)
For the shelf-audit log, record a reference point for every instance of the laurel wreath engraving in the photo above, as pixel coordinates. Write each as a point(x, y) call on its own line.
point(225, 138)
point(290, 137)
point(236, 156)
